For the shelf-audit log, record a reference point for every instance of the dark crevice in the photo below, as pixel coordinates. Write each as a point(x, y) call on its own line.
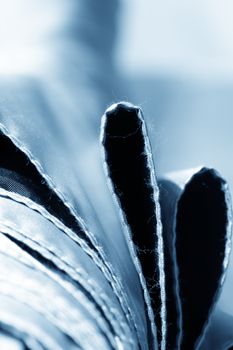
point(18, 174)
point(169, 193)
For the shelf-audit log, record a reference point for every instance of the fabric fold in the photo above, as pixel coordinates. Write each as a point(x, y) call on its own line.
point(130, 169)
point(199, 239)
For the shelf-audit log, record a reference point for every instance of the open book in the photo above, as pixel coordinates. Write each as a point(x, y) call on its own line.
point(142, 266)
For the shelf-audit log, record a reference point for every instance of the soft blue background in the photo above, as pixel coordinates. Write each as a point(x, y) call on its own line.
point(178, 56)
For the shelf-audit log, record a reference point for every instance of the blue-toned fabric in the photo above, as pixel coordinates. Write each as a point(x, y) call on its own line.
point(93, 253)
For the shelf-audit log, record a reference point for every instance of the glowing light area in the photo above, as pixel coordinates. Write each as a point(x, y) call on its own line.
point(27, 29)
point(21, 60)
point(9, 343)
point(170, 35)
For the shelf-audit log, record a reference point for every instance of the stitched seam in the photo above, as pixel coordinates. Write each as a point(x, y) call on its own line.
point(81, 273)
point(41, 210)
point(110, 275)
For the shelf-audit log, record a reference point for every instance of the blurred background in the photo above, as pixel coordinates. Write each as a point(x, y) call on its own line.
point(178, 59)
point(174, 59)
